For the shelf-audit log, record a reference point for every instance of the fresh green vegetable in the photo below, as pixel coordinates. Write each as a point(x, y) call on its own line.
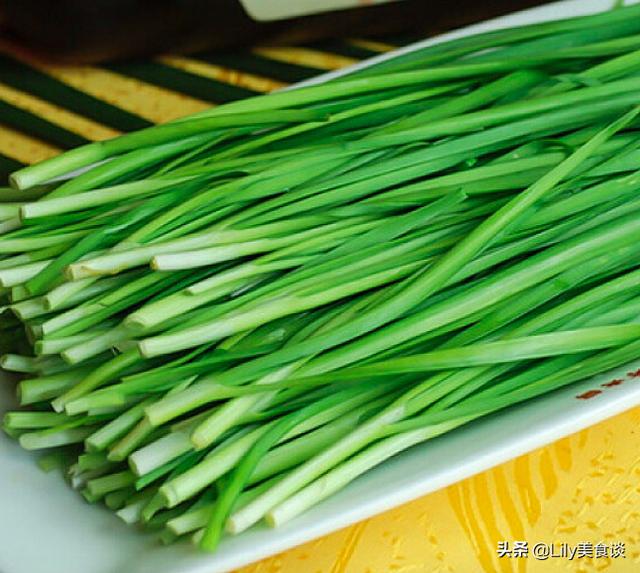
point(227, 318)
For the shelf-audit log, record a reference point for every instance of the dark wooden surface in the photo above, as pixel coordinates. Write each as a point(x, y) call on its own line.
point(81, 31)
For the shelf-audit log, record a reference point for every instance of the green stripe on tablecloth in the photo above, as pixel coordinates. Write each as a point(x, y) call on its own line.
point(27, 79)
point(258, 65)
point(206, 89)
point(7, 166)
point(27, 122)
point(405, 40)
point(342, 49)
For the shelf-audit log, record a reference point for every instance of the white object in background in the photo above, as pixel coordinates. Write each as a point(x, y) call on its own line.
point(45, 527)
point(270, 10)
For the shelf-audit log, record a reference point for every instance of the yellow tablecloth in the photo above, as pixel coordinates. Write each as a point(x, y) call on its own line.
point(584, 488)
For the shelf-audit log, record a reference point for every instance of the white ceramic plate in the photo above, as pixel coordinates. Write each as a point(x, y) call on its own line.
point(47, 528)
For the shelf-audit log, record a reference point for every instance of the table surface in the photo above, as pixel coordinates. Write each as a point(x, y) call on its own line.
point(584, 488)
